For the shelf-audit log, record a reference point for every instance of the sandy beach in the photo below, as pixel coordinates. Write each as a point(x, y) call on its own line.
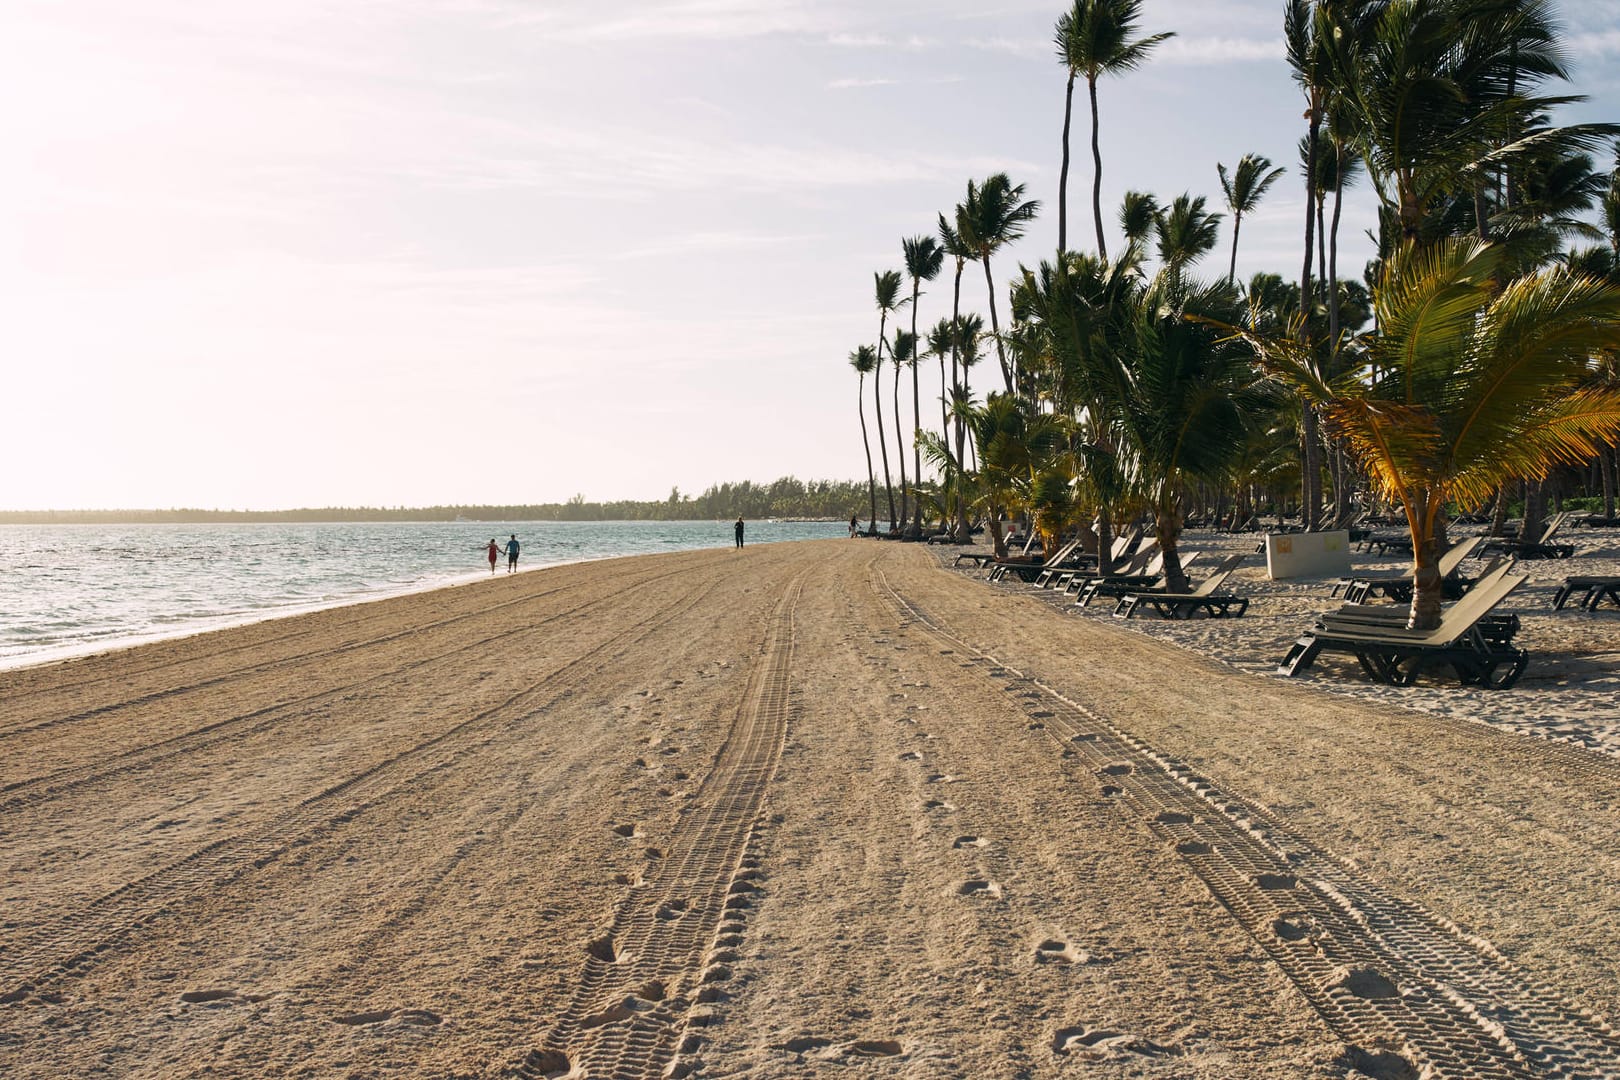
point(828, 808)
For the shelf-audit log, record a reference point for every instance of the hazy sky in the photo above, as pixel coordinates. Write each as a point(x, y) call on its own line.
point(384, 252)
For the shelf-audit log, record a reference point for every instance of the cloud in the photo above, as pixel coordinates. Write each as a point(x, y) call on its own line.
point(1596, 43)
point(586, 20)
point(1220, 50)
point(1015, 46)
point(854, 84)
point(859, 41)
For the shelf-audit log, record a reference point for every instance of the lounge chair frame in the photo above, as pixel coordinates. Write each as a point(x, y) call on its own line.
point(1479, 651)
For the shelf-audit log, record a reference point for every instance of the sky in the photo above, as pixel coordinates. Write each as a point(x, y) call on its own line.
point(425, 252)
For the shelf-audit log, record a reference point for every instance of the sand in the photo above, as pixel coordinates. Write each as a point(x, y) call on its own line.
point(816, 809)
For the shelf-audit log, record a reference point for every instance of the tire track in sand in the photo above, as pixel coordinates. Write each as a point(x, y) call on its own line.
point(71, 943)
point(653, 976)
point(1411, 992)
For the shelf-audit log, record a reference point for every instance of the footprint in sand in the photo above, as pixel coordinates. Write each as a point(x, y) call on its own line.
point(628, 829)
point(876, 1048)
point(910, 755)
point(203, 997)
point(969, 842)
point(979, 887)
point(362, 1019)
point(1100, 1042)
point(1057, 951)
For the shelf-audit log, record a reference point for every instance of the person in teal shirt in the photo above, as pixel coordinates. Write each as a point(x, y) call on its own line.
point(512, 548)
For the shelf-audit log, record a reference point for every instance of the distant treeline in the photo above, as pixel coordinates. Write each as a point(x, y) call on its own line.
point(788, 497)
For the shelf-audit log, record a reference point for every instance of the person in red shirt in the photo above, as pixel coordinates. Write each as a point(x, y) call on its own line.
point(494, 554)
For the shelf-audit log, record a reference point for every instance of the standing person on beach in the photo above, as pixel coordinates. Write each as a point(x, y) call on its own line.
point(738, 529)
point(854, 525)
point(494, 553)
point(512, 547)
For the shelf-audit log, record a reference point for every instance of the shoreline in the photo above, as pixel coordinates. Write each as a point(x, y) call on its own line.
point(169, 623)
point(829, 805)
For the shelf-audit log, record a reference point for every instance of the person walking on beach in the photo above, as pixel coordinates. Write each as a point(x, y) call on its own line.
point(493, 553)
point(738, 529)
point(512, 547)
point(854, 525)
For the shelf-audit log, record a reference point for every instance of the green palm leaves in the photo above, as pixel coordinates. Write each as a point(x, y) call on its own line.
point(993, 215)
point(1467, 383)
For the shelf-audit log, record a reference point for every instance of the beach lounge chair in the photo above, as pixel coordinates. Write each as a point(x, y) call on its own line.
point(1390, 653)
point(1027, 567)
point(1083, 563)
point(1596, 588)
point(1138, 565)
point(1540, 548)
point(1140, 575)
point(1397, 584)
point(1171, 605)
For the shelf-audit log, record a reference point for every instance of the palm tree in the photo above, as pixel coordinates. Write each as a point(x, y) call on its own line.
point(864, 360)
point(902, 351)
point(1096, 38)
point(1137, 212)
point(886, 289)
point(1186, 232)
point(924, 258)
point(960, 251)
point(1244, 189)
point(993, 216)
point(1183, 395)
point(1466, 384)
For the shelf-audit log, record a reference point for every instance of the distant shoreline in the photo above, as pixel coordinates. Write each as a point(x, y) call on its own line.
point(470, 515)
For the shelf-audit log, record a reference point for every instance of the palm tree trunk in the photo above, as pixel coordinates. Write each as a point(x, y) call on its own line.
point(1167, 524)
point(916, 407)
point(995, 328)
point(1426, 584)
point(1063, 173)
point(900, 440)
point(877, 400)
point(1499, 514)
point(1237, 224)
point(1606, 469)
point(871, 477)
point(1310, 480)
point(963, 526)
point(1535, 507)
point(1321, 243)
point(1096, 175)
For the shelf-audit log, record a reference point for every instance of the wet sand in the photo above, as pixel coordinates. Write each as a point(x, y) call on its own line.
point(814, 809)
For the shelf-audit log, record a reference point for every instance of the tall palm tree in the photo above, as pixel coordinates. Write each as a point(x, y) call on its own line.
point(1245, 187)
point(902, 352)
point(924, 259)
point(960, 252)
point(886, 291)
point(1466, 384)
point(993, 216)
point(1096, 38)
point(864, 360)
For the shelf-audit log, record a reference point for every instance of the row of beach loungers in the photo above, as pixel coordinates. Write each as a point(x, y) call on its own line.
point(1475, 641)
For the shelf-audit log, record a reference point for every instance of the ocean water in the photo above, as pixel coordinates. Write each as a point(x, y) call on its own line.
point(72, 589)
